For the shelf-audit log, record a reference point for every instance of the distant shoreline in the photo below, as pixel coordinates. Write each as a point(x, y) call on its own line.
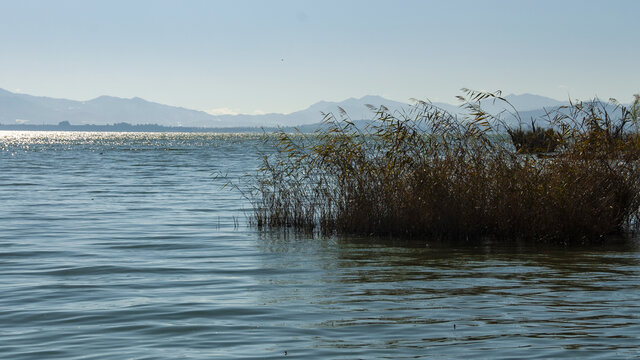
point(126, 127)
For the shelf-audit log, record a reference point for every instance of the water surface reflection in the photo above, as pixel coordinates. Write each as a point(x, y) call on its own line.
point(493, 300)
point(124, 245)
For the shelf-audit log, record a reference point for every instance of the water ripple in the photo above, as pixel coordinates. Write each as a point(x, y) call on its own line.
point(122, 245)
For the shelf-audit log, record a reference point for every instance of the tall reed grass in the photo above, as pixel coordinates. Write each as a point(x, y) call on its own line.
point(427, 172)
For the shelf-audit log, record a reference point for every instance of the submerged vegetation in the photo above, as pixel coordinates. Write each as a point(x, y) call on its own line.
point(426, 172)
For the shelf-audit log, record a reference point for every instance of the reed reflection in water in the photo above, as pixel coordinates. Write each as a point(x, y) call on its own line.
point(489, 300)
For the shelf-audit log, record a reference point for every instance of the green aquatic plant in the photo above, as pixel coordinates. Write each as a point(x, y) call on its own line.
point(427, 172)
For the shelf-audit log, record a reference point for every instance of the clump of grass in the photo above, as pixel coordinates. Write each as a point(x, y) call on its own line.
point(535, 140)
point(426, 172)
point(595, 127)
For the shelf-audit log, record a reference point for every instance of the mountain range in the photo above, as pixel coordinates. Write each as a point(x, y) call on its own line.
point(16, 108)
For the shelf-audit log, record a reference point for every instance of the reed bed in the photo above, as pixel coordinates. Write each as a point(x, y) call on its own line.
point(427, 173)
point(535, 140)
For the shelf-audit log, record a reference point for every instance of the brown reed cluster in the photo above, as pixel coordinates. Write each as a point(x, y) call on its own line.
point(425, 172)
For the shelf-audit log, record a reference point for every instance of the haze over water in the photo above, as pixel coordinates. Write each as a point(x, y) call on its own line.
point(125, 245)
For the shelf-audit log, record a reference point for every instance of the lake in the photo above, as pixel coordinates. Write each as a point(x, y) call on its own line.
point(127, 246)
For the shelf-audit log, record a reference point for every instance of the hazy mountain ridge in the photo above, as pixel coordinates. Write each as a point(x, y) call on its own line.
point(28, 109)
point(105, 110)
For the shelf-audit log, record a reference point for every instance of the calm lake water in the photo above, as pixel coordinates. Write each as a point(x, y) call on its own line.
point(125, 246)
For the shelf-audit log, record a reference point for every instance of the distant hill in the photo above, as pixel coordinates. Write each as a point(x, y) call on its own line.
point(27, 109)
point(22, 109)
point(34, 110)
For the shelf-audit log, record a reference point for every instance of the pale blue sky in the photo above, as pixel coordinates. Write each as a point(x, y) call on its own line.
point(281, 56)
